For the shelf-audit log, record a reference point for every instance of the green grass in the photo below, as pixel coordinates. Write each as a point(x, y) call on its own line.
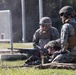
point(28, 71)
point(32, 71)
point(12, 63)
point(16, 45)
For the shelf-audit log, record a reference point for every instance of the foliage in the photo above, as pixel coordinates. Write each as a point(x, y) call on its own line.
point(50, 9)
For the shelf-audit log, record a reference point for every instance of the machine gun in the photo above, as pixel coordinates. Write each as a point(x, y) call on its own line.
point(36, 51)
point(32, 51)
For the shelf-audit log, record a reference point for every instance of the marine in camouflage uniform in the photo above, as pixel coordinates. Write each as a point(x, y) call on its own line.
point(51, 47)
point(68, 36)
point(42, 36)
point(45, 33)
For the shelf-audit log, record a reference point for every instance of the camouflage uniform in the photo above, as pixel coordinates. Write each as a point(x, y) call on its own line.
point(54, 44)
point(41, 38)
point(35, 60)
point(67, 54)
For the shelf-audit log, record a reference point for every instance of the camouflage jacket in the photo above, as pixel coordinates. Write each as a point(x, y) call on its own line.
point(54, 34)
point(66, 31)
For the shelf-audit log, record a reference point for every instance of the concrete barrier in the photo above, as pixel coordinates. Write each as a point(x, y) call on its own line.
point(11, 57)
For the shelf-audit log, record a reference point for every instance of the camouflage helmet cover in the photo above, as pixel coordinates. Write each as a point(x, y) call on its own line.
point(67, 10)
point(45, 21)
point(52, 44)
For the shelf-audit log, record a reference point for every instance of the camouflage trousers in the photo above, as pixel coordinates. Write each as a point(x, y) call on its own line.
point(64, 58)
point(35, 60)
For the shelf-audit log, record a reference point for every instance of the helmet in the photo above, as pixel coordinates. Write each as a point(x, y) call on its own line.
point(45, 21)
point(53, 44)
point(66, 11)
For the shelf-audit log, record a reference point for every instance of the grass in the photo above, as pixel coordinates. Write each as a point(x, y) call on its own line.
point(28, 71)
point(16, 45)
point(12, 63)
point(32, 71)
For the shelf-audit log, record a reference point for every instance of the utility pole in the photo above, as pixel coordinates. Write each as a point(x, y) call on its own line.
point(11, 31)
point(40, 9)
point(23, 21)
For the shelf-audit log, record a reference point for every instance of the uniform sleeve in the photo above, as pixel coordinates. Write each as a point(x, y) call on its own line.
point(36, 37)
point(64, 36)
point(55, 33)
